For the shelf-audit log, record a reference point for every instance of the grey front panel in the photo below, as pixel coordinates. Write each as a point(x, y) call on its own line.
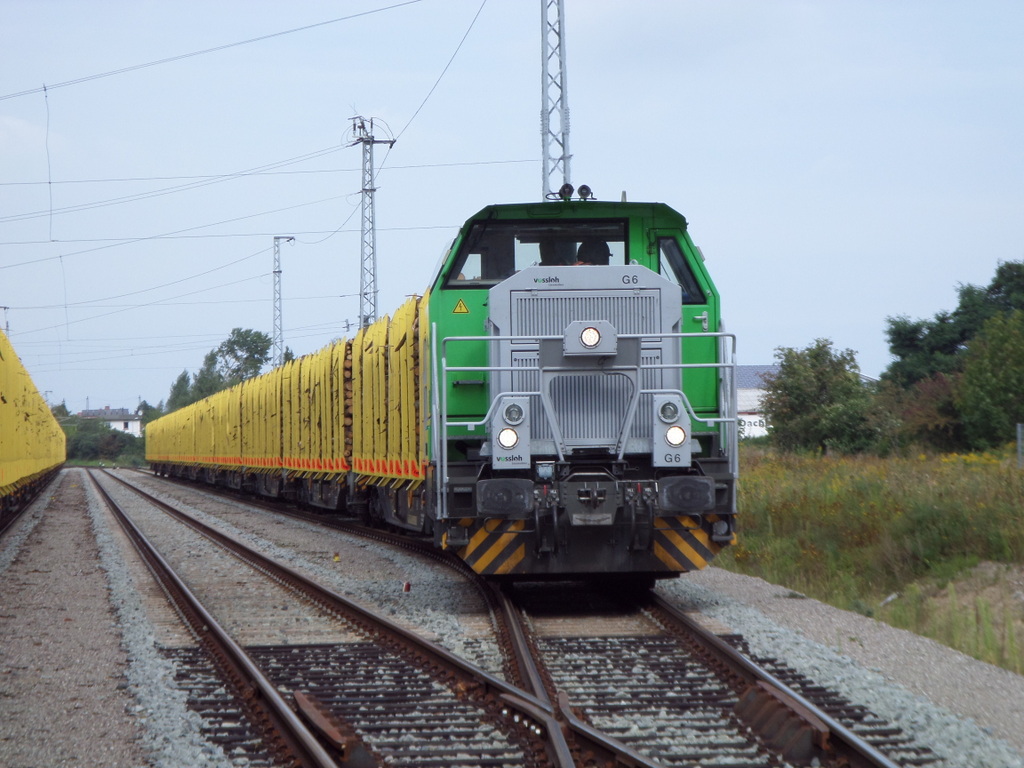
point(590, 405)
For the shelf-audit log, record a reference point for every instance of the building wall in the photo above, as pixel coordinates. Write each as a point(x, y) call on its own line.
point(132, 426)
point(121, 419)
point(749, 391)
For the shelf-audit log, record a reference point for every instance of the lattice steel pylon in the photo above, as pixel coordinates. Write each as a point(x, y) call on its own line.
point(362, 129)
point(554, 115)
point(278, 338)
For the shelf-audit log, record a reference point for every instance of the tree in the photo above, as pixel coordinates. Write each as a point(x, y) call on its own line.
point(239, 357)
point(208, 380)
point(930, 416)
point(181, 392)
point(924, 348)
point(989, 392)
point(92, 439)
point(242, 355)
point(817, 400)
point(150, 412)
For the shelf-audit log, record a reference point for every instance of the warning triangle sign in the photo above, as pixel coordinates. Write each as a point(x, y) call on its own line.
point(461, 308)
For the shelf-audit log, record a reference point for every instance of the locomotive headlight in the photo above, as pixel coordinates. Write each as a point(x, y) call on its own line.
point(509, 429)
point(590, 337)
point(513, 414)
point(668, 412)
point(675, 436)
point(508, 438)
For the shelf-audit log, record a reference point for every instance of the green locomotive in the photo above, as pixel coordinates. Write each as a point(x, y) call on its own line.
point(584, 408)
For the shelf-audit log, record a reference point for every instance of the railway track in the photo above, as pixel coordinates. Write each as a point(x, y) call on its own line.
point(414, 703)
point(650, 676)
point(640, 683)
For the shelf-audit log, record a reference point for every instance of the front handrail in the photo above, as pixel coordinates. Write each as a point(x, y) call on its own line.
point(441, 370)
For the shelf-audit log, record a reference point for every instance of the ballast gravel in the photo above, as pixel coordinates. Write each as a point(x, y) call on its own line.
point(968, 712)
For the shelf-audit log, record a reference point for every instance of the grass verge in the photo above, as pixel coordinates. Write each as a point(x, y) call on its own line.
point(931, 544)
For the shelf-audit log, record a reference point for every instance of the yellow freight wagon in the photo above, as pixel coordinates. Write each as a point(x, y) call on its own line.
point(32, 443)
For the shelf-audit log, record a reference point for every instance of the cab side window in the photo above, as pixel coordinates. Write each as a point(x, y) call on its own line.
point(488, 257)
point(673, 264)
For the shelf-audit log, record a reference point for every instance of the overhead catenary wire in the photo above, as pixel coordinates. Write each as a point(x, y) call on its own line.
point(132, 241)
point(154, 303)
point(172, 184)
point(205, 51)
point(155, 287)
point(443, 71)
point(416, 166)
point(203, 182)
point(215, 235)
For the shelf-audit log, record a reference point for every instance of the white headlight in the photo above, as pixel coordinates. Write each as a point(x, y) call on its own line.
point(508, 438)
point(590, 337)
point(675, 436)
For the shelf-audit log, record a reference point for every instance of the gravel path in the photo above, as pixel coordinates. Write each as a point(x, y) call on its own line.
point(63, 684)
point(94, 675)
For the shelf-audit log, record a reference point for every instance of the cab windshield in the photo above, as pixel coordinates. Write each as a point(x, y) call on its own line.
point(493, 251)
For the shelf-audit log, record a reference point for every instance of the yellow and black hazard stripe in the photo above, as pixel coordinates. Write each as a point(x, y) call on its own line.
point(497, 547)
point(681, 544)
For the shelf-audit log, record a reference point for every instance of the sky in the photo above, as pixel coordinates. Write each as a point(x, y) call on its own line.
point(839, 162)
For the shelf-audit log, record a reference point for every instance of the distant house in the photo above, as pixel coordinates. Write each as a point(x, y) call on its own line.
point(749, 394)
point(120, 419)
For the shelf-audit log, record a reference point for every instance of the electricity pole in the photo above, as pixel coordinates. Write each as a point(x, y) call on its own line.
point(554, 115)
point(278, 326)
point(362, 130)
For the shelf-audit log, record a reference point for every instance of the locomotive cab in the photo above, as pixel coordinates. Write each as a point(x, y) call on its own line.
point(584, 414)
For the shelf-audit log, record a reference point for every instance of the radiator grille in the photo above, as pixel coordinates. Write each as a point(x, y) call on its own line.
point(589, 410)
point(548, 313)
point(605, 400)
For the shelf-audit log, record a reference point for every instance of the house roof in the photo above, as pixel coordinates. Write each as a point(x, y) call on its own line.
point(115, 414)
point(749, 376)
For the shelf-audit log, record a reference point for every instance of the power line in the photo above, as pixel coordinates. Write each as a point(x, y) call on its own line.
point(116, 353)
point(156, 303)
point(165, 191)
point(218, 302)
point(155, 287)
point(425, 227)
point(262, 173)
point(170, 59)
point(445, 70)
point(177, 232)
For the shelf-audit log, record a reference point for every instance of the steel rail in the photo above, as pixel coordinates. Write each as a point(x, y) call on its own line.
point(556, 719)
point(831, 739)
point(519, 706)
point(258, 692)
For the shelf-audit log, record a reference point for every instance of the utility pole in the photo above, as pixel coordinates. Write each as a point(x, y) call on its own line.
point(554, 115)
point(7, 326)
point(278, 325)
point(362, 130)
